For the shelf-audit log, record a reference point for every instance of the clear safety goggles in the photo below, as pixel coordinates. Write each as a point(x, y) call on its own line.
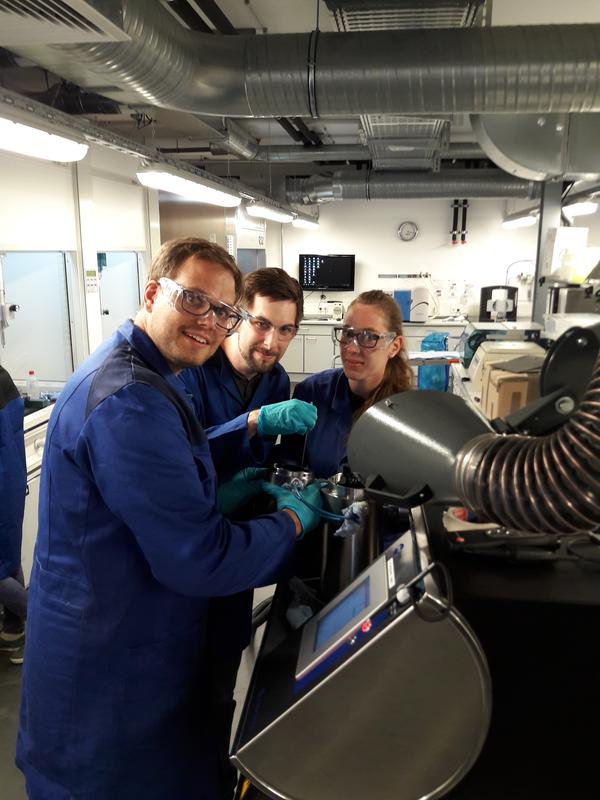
point(264, 327)
point(199, 305)
point(363, 338)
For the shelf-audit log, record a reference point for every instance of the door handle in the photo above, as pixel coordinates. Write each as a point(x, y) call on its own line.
point(105, 312)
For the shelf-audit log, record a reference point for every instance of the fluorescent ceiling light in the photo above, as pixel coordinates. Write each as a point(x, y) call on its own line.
point(268, 212)
point(304, 222)
point(27, 141)
point(581, 209)
point(520, 220)
point(194, 188)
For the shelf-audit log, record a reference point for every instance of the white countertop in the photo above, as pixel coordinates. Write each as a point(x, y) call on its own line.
point(434, 323)
point(320, 321)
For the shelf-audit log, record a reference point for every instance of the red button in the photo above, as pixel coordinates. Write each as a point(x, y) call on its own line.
point(366, 626)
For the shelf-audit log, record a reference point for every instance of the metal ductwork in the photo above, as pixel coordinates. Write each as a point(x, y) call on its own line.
point(299, 154)
point(369, 185)
point(513, 69)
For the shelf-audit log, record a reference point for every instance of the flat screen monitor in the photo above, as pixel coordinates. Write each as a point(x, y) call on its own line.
point(335, 272)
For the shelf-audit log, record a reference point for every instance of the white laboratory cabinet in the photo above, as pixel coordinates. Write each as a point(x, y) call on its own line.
point(312, 350)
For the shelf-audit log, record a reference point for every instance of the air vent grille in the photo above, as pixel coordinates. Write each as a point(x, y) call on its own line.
point(365, 15)
point(34, 22)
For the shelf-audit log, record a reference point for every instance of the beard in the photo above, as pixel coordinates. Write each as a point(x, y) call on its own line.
point(252, 357)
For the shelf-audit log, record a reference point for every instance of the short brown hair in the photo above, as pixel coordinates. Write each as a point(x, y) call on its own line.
point(173, 253)
point(276, 284)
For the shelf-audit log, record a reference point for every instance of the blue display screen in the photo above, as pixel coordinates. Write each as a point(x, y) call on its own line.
point(342, 613)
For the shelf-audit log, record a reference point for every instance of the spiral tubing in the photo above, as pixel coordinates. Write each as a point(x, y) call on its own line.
point(549, 483)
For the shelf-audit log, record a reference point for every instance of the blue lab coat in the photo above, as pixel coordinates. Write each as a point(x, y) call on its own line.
point(13, 476)
point(327, 442)
point(130, 546)
point(223, 415)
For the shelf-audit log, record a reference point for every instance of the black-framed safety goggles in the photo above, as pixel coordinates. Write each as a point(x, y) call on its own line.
point(363, 338)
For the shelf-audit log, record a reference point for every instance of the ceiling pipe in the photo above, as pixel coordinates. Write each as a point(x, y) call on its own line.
point(495, 69)
point(368, 185)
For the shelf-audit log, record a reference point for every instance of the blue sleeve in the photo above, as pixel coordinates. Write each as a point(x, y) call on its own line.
point(231, 447)
point(13, 486)
point(192, 380)
point(163, 489)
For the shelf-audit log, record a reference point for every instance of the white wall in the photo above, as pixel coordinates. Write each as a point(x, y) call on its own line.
point(368, 229)
point(37, 204)
point(544, 12)
point(96, 204)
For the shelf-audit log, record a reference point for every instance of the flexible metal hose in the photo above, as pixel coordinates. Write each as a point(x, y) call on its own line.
point(548, 483)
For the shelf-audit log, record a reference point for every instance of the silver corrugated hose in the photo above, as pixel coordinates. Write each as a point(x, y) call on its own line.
point(398, 184)
point(549, 483)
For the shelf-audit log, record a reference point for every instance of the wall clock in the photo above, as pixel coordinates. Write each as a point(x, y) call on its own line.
point(408, 231)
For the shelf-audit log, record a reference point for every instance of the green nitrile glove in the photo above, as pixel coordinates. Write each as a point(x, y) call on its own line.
point(309, 518)
point(290, 416)
point(244, 485)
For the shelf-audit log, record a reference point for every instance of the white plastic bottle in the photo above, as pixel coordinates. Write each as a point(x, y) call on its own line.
point(33, 388)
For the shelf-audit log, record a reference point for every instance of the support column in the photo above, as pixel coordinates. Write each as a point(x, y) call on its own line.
point(550, 208)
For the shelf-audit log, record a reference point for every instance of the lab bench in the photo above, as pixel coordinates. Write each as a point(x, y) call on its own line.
point(537, 623)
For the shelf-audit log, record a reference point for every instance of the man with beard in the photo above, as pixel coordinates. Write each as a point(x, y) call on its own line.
point(241, 396)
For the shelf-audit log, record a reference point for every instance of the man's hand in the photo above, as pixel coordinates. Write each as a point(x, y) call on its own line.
point(290, 416)
point(242, 487)
point(307, 515)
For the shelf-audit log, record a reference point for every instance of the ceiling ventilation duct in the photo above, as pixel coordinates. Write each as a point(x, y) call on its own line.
point(541, 146)
point(386, 134)
point(368, 185)
point(529, 69)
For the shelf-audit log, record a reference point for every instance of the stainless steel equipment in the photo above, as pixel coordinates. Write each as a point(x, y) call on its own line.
point(344, 557)
point(385, 693)
point(291, 474)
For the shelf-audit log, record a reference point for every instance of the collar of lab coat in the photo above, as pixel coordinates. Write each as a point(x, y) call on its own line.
point(144, 345)
point(224, 370)
point(341, 395)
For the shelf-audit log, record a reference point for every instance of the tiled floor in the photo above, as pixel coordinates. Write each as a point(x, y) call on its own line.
point(12, 786)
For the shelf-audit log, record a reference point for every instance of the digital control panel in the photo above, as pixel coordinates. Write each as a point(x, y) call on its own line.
point(355, 612)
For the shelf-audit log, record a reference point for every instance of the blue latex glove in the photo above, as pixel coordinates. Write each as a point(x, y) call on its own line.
point(290, 416)
point(309, 518)
point(244, 485)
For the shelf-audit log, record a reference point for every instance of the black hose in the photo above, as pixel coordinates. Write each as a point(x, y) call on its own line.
point(548, 483)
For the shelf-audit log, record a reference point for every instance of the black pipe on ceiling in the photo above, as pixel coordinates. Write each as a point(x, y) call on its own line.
point(189, 15)
point(216, 16)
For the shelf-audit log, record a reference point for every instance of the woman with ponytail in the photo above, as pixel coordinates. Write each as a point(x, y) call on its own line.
point(374, 366)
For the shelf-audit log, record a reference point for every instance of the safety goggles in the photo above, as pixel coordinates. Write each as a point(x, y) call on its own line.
point(199, 305)
point(264, 327)
point(365, 338)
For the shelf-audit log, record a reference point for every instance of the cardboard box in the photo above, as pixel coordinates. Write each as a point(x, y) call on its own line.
point(505, 392)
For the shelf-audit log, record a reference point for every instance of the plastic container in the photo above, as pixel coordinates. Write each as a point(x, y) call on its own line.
point(32, 388)
point(434, 376)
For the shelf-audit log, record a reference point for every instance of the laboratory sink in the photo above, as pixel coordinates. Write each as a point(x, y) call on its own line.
point(35, 405)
